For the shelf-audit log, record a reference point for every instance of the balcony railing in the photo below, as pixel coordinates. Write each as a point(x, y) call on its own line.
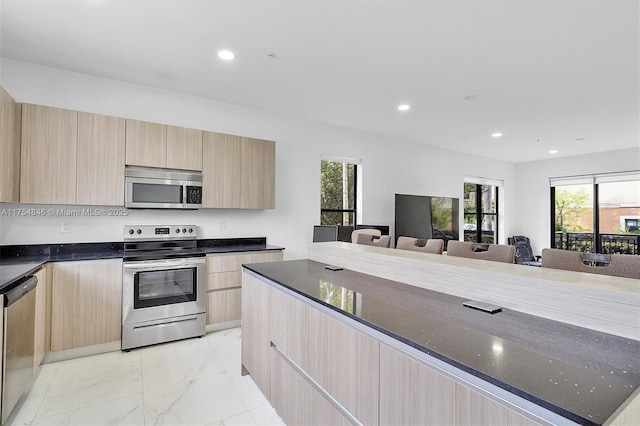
point(609, 243)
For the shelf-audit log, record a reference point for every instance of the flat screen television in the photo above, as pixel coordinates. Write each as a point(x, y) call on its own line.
point(425, 217)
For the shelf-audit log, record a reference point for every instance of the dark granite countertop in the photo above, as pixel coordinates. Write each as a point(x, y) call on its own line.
point(581, 374)
point(17, 261)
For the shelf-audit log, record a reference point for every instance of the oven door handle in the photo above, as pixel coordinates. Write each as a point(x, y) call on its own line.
point(182, 263)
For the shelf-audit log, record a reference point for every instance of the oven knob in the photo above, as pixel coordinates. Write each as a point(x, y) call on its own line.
point(184, 230)
point(139, 231)
point(177, 230)
point(190, 230)
point(130, 231)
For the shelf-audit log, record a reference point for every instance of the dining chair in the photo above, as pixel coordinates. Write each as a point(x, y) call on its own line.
point(372, 240)
point(364, 231)
point(494, 252)
point(618, 265)
point(431, 245)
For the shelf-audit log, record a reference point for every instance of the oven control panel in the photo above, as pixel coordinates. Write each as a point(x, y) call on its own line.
point(160, 232)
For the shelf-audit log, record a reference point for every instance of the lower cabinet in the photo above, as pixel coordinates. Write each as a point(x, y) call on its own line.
point(86, 303)
point(224, 283)
point(256, 332)
point(414, 393)
point(296, 401)
point(301, 358)
point(316, 369)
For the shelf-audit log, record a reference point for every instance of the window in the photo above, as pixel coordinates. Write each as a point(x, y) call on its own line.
point(480, 213)
point(596, 213)
point(338, 191)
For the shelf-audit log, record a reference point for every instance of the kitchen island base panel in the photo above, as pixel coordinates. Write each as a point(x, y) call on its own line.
point(484, 400)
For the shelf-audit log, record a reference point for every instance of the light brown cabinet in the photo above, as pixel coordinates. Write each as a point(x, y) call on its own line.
point(256, 332)
point(238, 172)
point(146, 144)
point(9, 148)
point(412, 392)
point(159, 145)
point(67, 157)
point(184, 148)
point(301, 356)
point(345, 362)
point(285, 341)
point(257, 177)
point(220, 170)
point(224, 281)
point(48, 155)
point(86, 303)
point(43, 317)
point(100, 161)
point(71, 157)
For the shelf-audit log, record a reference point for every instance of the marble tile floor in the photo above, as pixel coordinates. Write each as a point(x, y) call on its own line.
point(190, 382)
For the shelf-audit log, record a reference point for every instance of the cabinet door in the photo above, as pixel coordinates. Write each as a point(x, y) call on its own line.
point(9, 148)
point(223, 306)
point(256, 331)
point(86, 303)
point(288, 322)
point(344, 362)
point(146, 144)
point(296, 401)
point(42, 319)
point(221, 170)
point(184, 148)
point(48, 158)
point(414, 393)
point(257, 179)
point(100, 173)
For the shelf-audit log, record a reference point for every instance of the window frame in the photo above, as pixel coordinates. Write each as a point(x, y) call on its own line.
point(356, 201)
point(594, 181)
point(480, 214)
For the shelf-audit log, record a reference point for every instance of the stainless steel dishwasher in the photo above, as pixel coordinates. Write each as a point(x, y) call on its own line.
point(18, 344)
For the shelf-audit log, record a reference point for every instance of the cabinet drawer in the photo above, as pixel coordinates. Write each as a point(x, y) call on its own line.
point(224, 306)
point(233, 262)
point(224, 280)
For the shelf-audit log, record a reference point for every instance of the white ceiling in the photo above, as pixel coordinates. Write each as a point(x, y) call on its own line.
point(548, 70)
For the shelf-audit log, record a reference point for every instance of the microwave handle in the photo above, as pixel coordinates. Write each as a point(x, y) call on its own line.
point(184, 194)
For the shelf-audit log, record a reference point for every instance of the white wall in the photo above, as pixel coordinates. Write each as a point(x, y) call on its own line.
point(533, 217)
point(389, 166)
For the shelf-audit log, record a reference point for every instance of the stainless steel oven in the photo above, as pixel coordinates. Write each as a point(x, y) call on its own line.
point(163, 293)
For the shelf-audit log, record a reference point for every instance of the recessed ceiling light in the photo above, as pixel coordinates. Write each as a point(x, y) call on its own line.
point(496, 135)
point(553, 151)
point(403, 107)
point(227, 55)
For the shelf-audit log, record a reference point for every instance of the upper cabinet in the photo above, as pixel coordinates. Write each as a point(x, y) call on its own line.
point(146, 144)
point(238, 172)
point(159, 145)
point(100, 158)
point(9, 148)
point(184, 148)
point(71, 157)
point(220, 170)
point(257, 177)
point(48, 160)
point(60, 156)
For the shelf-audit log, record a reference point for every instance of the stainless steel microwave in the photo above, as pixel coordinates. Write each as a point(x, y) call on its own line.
point(149, 188)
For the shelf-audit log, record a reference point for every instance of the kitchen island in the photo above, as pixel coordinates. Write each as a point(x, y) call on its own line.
point(372, 350)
